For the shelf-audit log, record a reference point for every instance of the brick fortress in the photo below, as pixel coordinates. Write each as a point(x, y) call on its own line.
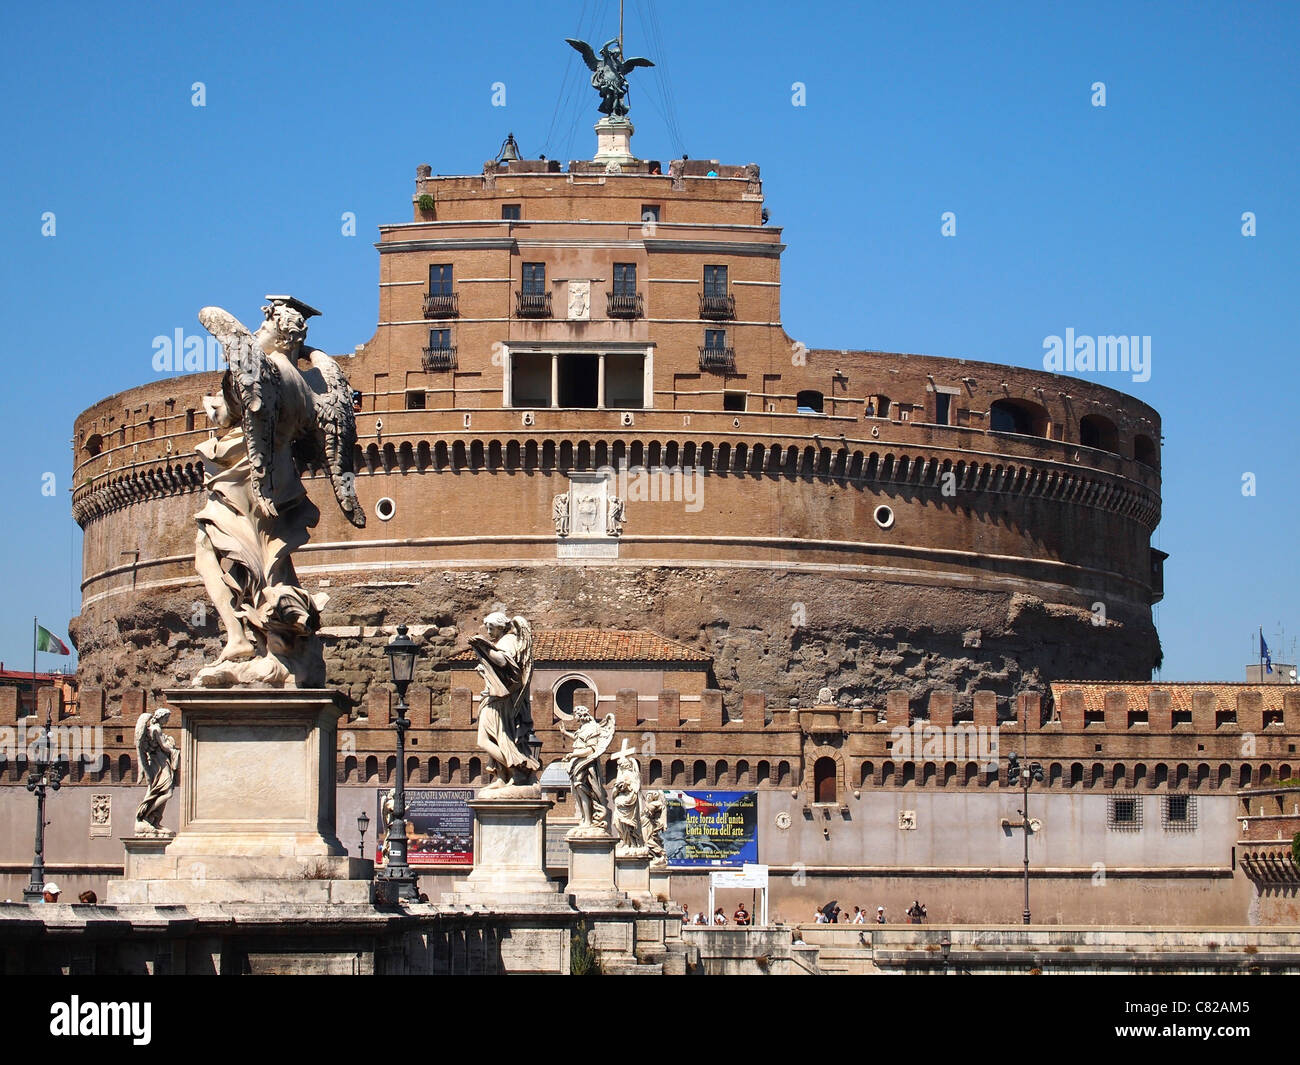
point(581, 402)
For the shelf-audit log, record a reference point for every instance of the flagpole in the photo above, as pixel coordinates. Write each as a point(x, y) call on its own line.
point(34, 624)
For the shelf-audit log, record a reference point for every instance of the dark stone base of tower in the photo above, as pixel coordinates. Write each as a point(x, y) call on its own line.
point(785, 633)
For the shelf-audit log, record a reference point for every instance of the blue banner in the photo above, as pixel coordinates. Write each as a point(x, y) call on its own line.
point(717, 829)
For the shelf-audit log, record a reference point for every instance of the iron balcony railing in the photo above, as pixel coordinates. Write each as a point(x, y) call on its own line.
point(717, 308)
point(439, 359)
point(441, 306)
point(624, 305)
point(532, 304)
point(718, 360)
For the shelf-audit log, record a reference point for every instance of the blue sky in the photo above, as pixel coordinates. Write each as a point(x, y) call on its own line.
point(1122, 219)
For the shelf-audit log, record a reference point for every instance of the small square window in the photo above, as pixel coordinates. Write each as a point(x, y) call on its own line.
point(1179, 813)
point(510, 212)
point(415, 400)
point(1124, 813)
point(649, 212)
point(715, 339)
point(733, 401)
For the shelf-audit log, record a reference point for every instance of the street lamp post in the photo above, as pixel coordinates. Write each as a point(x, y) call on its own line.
point(1025, 775)
point(396, 876)
point(45, 773)
point(363, 823)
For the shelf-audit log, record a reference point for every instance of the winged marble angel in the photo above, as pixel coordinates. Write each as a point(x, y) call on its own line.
point(159, 761)
point(505, 723)
point(274, 420)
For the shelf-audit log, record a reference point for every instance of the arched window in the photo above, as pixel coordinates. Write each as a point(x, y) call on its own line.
point(94, 444)
point(700, 772)
point(1099, 432)
point(824, 780)
point(1018, 416)
point(1144, 451)
point(810, 401)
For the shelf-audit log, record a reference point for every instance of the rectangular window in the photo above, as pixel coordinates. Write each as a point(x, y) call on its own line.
point(510, 212)
point(1124, 813)
point(1179, 813)
point(649, 212)
point(415, 400)
point(440, 283)
point(625, 279)
point(439, 339)
point(534, 279)
point(530, 380)
point(715, 281)
point(715, 338)
point(733, 401)
point(942, 408)
point(625, 381)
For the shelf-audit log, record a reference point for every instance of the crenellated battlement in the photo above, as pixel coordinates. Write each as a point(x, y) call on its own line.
point(1182, 737)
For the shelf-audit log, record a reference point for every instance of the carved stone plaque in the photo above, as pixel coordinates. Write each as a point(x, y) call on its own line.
point(101, 815)
point(580, 300)
point(588, 518)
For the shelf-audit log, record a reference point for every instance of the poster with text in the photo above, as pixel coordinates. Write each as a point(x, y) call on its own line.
point(711, 828)
point(439, 826)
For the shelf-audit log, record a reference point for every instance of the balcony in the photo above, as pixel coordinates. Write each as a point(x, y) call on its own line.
point(441, 306)
point(718, 360)
point(532, 304)
point(439, 359)
point(624, 305)
point(717, 308)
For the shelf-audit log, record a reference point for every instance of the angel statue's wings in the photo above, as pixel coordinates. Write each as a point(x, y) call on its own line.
point(252, 388)
point(143, 747)
point(584, 49)
point(525, 633)
point(606, 734)
point(333, 442)
point(632, 64)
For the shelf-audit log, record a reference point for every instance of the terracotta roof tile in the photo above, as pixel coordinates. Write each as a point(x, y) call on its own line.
point(603, 645)
point(1180, 695)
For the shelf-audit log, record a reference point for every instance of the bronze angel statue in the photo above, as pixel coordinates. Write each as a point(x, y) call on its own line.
point(274, 420)
point(505, 721)
point(609, 74)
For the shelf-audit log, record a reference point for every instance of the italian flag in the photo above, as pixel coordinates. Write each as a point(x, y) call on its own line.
point(47, 641)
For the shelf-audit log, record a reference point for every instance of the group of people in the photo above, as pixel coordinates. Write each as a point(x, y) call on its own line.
point(741, 917)
point(916, 914)
point(51, 891)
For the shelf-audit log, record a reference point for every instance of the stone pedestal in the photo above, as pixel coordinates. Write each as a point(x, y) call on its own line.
point(509, 855)
point(632, 874)
point(659, 880)
point(591, 868)
point(614, 142)
point(256, 795)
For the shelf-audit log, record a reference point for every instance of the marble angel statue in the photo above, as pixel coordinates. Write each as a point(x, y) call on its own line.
point(159, 762)
point(274, 420)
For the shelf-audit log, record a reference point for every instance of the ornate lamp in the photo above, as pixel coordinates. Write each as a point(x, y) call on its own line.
point(400, 883)
point(363, 823)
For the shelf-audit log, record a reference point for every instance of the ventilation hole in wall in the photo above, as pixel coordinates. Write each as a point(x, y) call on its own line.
point(884, 516)
point(385, 509)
